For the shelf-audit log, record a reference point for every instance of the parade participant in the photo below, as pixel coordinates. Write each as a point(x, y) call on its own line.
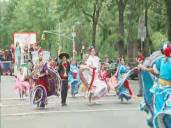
point(83, 85)
point(40, 72)
point(74, 78)
point(104, 75)
point(64, 68)
point(92, 62)
point(156, 78)
point(89, 74)
point(52, 77)
point(21, 85)
point(103, 72)
point(140, 59)
point(18, 55)
point(162, 67)
point(122, 69)
point(52, 64)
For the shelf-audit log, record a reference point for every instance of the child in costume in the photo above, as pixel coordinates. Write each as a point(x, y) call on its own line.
point(74, 78)
point(21, 85)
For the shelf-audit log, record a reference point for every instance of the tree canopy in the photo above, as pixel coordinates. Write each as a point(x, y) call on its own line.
point(109, 25)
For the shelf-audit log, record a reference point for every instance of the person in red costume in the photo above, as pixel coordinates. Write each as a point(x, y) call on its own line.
point(103, 72)
point(104, 75)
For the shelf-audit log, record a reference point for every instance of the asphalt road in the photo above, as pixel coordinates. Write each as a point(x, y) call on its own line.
point(107, 113)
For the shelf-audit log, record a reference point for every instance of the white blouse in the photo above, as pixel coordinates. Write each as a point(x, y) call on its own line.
point(93, 61)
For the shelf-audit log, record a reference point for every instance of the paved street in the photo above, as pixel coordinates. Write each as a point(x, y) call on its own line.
point(108, 113)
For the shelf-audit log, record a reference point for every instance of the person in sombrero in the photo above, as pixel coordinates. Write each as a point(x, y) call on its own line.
point(64, 68)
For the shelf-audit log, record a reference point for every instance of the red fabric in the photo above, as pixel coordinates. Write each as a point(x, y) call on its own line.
point(126, 84)
point(92, 80)
point(65, 65)
point(167, 52)
point(75, 75)
point(104, 75)
point(42, 81)
point(140, 58)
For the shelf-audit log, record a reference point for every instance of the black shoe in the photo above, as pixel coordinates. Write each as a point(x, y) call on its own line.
point(139, 95)
point(64, 104)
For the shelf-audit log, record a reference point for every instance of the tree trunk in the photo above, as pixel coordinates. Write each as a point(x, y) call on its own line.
point(121, 7)
point(50, 46)
point(131, 37)
point(95, 19)
point(168, 6)
point(146, 43)
point(121, 21)
point(94, 26)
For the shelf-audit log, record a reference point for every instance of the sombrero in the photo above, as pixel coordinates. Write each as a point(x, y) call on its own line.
point(61, 55)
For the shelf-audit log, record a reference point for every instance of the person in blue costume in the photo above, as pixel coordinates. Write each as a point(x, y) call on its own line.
point(74, 78)
point(161, 90)
point(125, 90)
point(162, 67)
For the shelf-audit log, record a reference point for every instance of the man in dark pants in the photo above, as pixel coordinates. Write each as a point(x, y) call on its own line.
point(63, 70)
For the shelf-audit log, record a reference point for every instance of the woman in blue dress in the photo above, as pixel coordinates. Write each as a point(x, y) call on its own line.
point(123, 91)
point(160, 91)
point(162, 67)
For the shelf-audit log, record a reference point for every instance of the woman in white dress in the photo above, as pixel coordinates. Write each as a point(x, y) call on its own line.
point(97, 88)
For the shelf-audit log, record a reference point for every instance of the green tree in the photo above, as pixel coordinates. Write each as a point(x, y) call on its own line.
point(168, 6)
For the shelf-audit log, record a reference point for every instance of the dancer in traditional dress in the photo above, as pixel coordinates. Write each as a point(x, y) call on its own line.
point(89, 73)
point(157, 88)
point(93, 60)
point(104, 75)
point(53, 80)
point(124, 91)
point(162, 67)
point(47, 83)
point(40, 72)
point(22, 86)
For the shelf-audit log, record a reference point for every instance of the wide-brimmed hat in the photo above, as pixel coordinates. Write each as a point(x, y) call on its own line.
point(61, 55)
